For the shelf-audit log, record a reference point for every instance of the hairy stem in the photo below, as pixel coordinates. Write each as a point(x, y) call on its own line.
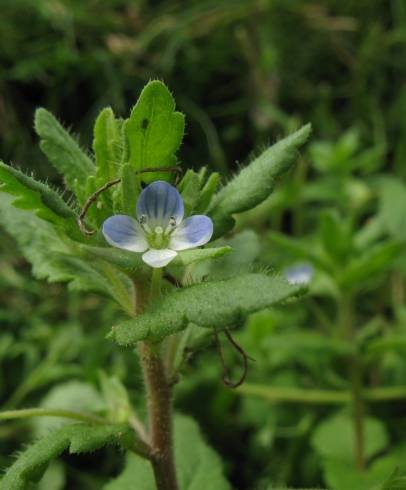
point(159, 396)
point(160, 417)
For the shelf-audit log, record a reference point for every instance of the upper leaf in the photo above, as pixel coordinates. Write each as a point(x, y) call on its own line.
point(78, 438)
point(154, 130)
point(62, 150)
point(108, 144)
point(198, 466)
point(212, 304)
point(256, 181)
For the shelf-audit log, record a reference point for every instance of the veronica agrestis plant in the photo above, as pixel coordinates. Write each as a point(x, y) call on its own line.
point(131, 233)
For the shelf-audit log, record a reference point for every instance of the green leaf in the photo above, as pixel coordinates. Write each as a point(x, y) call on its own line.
point(78, 438)
point(256, 181)
point(333, 438)
point(58, 259)
point(35, 195)
point(245, 249)
point(125, 197)
point(154, 130)
point(392, 212)
point(187, 257)
point(197, 464)
point(62, 150)
point(374, 261)
point(213, 304)
point(108, 145)
point(70, 395)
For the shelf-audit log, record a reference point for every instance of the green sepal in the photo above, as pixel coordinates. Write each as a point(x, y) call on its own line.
point(256, 181)
point(189, 188)
point(207, 192)
point(213, 304)
point(187, 257)
point(154, 131)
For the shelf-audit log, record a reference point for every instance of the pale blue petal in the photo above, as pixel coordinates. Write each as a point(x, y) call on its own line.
point(300, 274)
point(125, 232)
point(158, 258)
point(192, 232)
point(159, 202)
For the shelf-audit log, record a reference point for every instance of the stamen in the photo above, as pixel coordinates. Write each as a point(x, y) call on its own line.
point(171, 226)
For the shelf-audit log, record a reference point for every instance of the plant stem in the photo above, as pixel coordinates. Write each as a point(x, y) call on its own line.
point(159, 395)
point(160, 417)
point(355, 376)
point(280, 394)
point(44, 412)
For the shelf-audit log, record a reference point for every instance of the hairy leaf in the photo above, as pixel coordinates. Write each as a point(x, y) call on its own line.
point(256, 181)
point(35, 195)
point(62, 150)
point(78, 438)
point(197, 464)
point(54, 258)
point(212, 304)
point(154, 130)
point(108, 144)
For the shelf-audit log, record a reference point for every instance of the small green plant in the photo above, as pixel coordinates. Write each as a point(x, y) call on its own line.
point(131, 197)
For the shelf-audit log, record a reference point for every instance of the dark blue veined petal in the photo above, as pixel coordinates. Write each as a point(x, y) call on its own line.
point(159, 202)
point(125, 232)
point(193, 232)
point(158, 258)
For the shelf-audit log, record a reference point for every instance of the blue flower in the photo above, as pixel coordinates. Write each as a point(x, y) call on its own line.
point(159, 230)
point(300, 274)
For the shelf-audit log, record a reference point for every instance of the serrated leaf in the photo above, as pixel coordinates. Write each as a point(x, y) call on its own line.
point(78, 438)
point(213, 304)
point(31, 194)
point(154, 130)
point(58, 259)
point(197, 464)
point(62, 150)
point(256, 181)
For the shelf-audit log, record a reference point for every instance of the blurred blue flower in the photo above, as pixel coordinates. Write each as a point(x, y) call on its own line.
point(300, 274)
point(159, 230)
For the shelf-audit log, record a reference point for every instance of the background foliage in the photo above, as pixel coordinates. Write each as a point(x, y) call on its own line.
point(244, 73)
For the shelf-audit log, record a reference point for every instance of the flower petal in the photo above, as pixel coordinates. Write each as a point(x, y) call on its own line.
point(124, 232)
point(300, 274)
point(159, 202)
point(159, 258)
point(192, 232)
